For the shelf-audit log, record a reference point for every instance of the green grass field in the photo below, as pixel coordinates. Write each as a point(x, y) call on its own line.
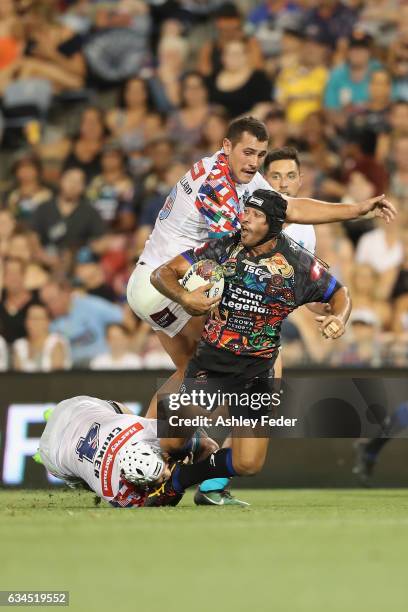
point(303, 550)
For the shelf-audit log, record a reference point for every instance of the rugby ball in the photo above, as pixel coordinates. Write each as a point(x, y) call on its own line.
point(204, 272)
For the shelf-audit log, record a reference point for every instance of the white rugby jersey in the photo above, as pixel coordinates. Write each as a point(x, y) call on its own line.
point(205, 203)
point(82, 439)
point(304, 235)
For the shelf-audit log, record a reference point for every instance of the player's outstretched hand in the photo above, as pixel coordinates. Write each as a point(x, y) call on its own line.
point(331, 326)
point(198, 303)
point(378, 207)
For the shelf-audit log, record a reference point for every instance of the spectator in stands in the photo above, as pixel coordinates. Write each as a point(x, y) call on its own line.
point(40, 350)
point(271, 12)
point(212, 133)
point(187, 122)
point(333, 20)
point(89, 274)
point(7, 227)
point(364, 293)
point(127, 121)
point(373, 116)
point(118, 45)
point(54, 52)
point(112, 192)
point(382, 249)
point(15, 301)
point(161, 153)
point(84, 152)
point(277, 127)
point(300, 86)
point(119, 356)
point(335, 248)
point(316, 138)
point(29, 191)
point(361, 175)
point(68, 221)
point(398, 121)
point(270, 20)
point(348, 85)
point(362, 346)
point(228, 27)
point(164, 83)
point(24, 245)
point(237, 86)
point(84, 149)
point(82, 319)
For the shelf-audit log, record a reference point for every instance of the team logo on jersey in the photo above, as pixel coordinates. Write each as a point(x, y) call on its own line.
point(230, 266)
point(316, 271)
point(277, 264)
point(86, 447)
point(168, 205)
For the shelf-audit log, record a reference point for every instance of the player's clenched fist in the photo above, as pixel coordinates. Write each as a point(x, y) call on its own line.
point(331, 326)
point(197, 302)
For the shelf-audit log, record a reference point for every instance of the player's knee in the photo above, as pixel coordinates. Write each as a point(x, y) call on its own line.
point(247, 466)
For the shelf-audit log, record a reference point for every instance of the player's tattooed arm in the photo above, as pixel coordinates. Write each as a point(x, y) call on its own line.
point(334, 325)
point(166, 280)
point(308, 211)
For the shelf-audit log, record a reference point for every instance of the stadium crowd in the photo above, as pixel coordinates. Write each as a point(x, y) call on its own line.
point(105, 105)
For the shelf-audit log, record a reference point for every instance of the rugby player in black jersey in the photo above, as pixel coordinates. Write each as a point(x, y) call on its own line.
point(267, 276)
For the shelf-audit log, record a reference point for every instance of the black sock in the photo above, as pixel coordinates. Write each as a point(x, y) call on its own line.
point(217, 465)
point(397, 422)
point(374, 446)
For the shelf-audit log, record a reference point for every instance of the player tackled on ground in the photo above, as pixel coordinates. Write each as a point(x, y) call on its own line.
point(101, 446)
point(267, 276)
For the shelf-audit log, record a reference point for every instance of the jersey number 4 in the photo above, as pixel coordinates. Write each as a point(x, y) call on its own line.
point(87, 447)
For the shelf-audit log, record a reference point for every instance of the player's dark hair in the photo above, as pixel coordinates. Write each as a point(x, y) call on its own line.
point(282, 154)
point(246, 124)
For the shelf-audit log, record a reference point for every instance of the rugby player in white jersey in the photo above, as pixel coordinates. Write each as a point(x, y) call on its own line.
point(102, 446)
point(207, 202)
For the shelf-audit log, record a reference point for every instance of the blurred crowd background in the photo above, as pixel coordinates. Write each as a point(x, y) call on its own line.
point(105, 105)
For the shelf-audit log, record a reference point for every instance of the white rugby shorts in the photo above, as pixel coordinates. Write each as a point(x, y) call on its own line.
point(151, 306)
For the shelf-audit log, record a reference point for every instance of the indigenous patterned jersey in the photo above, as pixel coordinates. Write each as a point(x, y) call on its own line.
point(260, 291)
point(205, 203)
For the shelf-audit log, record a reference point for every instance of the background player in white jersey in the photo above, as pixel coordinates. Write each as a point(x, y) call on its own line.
point(283, 172)
point(101, 445)
point(207, 202)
